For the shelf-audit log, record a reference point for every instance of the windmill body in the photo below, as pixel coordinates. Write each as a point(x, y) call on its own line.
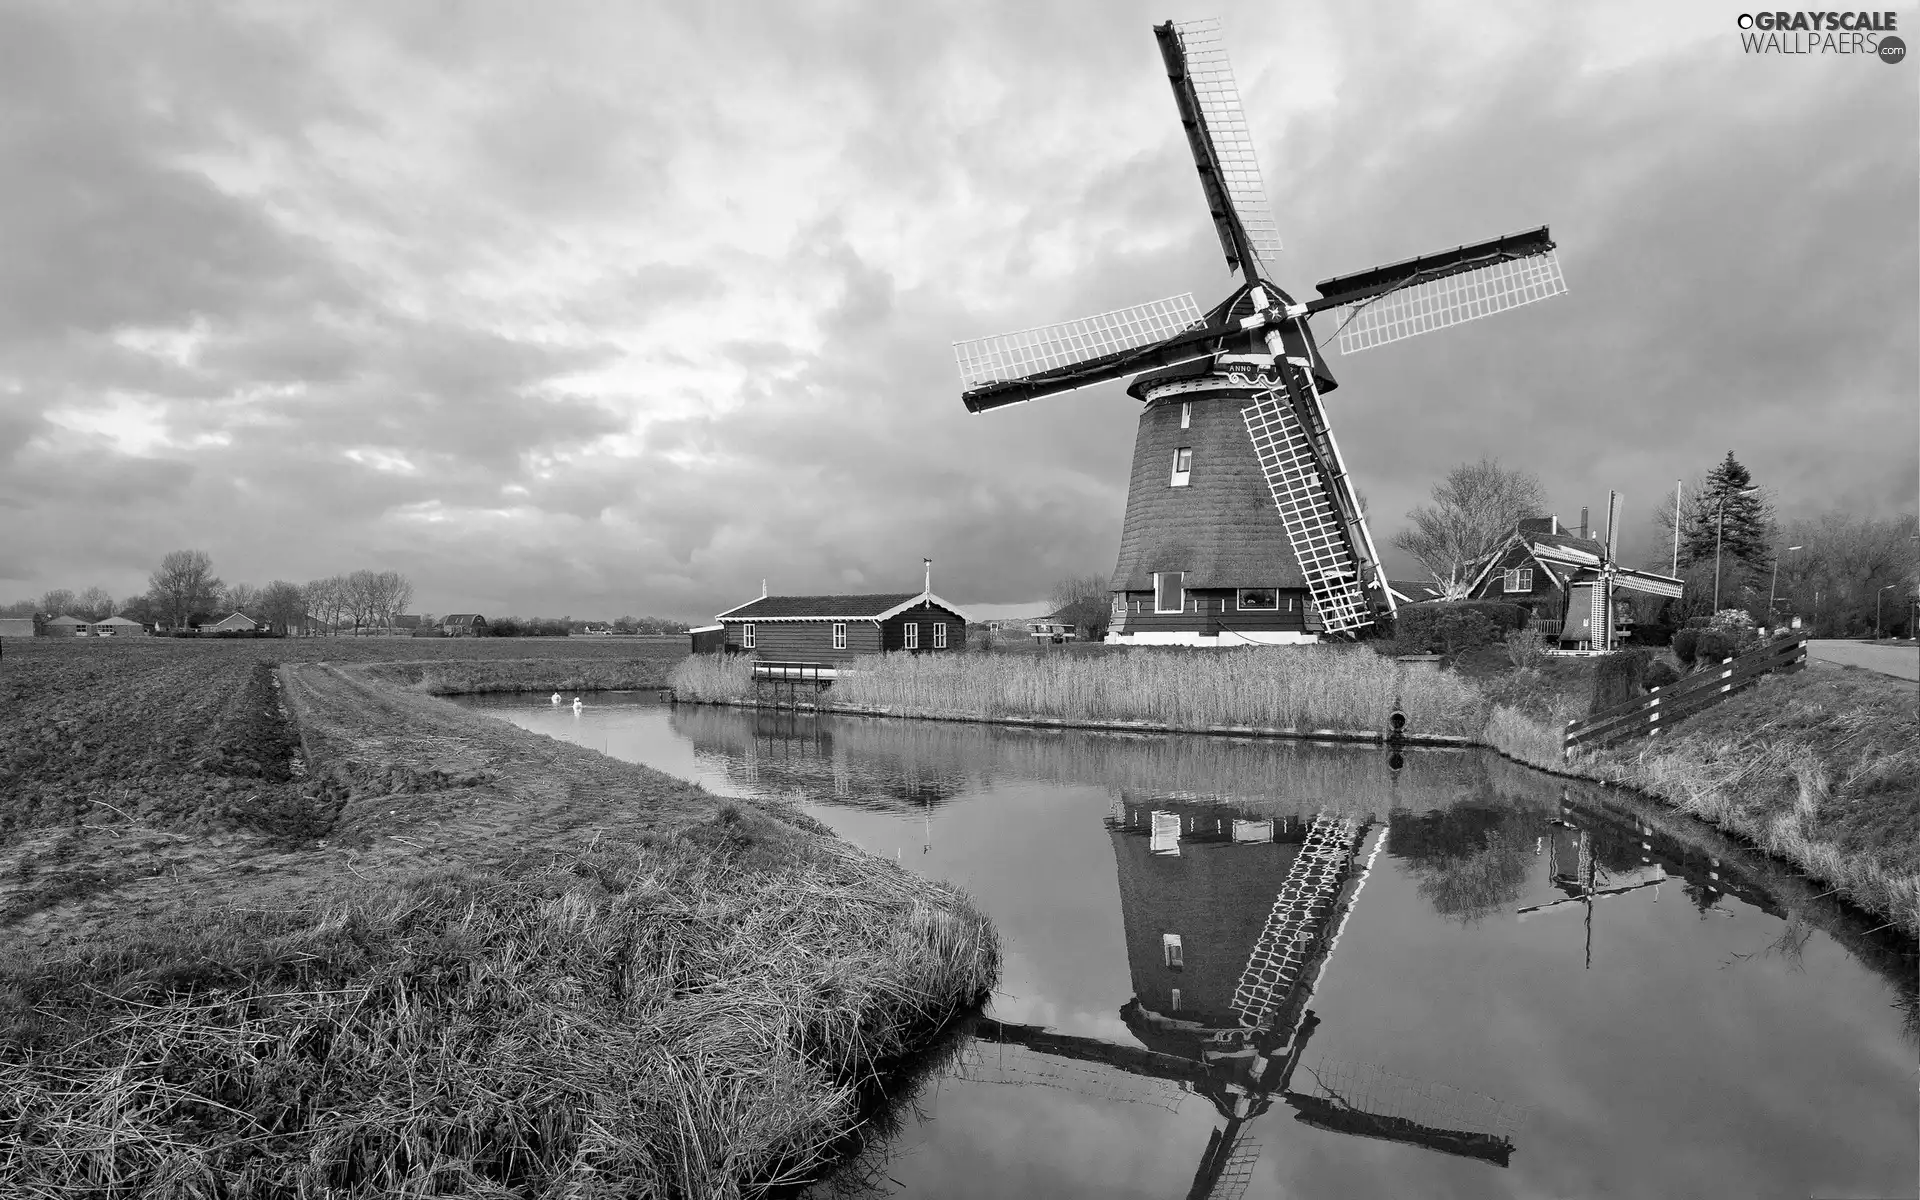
point(1242, 526)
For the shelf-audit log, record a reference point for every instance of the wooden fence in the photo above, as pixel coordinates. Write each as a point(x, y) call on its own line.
point(1704, 689)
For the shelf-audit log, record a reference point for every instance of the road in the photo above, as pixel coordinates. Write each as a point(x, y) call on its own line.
point(1902, 662)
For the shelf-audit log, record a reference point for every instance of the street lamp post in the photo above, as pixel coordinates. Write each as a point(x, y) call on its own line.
point(1774, 587)
point(1879, 600)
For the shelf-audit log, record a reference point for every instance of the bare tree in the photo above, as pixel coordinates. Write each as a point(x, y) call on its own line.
point(399, 591)
point(184, 584)
point(324, 600)
point(282, 605)
point(240, 597)
point(57, 602)
point(1474, 509)
point(96, 603)
point(362, 596)
point(1085, 602)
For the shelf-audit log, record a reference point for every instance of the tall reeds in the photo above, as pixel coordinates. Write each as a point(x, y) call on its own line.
point(1346, 689)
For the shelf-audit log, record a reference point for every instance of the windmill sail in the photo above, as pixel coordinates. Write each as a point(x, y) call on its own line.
point(1011, 367)
point(1222, 146)
point(1436, 291)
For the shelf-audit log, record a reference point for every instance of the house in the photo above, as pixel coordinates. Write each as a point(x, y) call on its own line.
point(232, 623)
point(833, 629)
point(463, 625)
point(709, 639)
point(65, 626)
point(118, 627)
point(16, 627)
point(1050, 629)
point(1554, 572)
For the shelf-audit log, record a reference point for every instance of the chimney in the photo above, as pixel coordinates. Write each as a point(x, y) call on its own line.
point(1583, 520)
point(928, 563)
point(763, 589)
point(1555, 527)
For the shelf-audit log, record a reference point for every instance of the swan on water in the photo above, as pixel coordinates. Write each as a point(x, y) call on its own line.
point(556, 697)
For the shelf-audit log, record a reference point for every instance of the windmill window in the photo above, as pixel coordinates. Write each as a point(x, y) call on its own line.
point(1186, 414)
point(1170, 950)
point(1168, 594)
point(1257, 600)
point(1182, 466)
point(746, 636)
point(1173, 1004)
point(913, 635)
point(1520, 579)
point(939, 635)
point(839, 635)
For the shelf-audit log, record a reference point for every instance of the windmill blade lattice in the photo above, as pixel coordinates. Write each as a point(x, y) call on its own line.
point(1439, 303)
point(1010, 356)
point(1226, 120)
point(1313, 527)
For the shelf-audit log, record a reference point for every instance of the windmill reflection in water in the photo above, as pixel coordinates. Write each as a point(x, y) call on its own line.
point(1220, 1008)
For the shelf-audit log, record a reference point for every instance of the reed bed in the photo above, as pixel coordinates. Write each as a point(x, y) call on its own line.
point(647, 669)
point(1338, 688)
point(693, 1016)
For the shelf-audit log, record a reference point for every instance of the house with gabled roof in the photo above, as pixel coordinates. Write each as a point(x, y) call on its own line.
point(118, 627)
point(836, 629)
point(64, 626)
point(238, 622)
point(1414, 591)
point(1553, 571)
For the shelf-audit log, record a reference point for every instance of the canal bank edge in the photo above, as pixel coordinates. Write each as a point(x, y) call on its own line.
point(1881, 883)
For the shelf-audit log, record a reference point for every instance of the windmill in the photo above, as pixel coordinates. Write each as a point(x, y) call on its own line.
point(1242, 524)
point(1590, 593)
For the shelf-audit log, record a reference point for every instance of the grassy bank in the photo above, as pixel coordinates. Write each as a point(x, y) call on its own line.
point(1345, 689)
point(500, 964)
point(646, 669)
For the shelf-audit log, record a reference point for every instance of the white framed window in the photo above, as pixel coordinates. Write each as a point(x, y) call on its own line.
point(1169, 596)
point(939, 635)
point(1519, 579)
point(1173, 1001)
point(1257, 600)
point(1186, 414)
point(1171, 951)
point(913, 635)
point(746, 636)
point(839, 635)
point(1182, 466)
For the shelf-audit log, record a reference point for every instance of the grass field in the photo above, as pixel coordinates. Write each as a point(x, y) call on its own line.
point(459, 959)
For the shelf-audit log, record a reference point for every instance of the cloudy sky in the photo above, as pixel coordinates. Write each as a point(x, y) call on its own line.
point(605, 308)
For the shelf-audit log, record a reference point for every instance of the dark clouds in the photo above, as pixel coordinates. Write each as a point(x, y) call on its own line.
point(600, 311)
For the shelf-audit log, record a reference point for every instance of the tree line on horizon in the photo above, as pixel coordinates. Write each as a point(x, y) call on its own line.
point(184, 593)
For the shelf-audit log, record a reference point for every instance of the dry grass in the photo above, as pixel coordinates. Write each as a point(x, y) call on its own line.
point(682, 1017)
point(1346, 689)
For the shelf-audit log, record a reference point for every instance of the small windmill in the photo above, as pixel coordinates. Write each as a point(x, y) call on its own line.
point(1257, 501)
point(1593, 590)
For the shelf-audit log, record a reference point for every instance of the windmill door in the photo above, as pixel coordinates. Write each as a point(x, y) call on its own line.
point(1579, 625)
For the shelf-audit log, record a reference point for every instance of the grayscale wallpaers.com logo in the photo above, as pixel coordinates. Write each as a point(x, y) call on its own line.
point(1822, 33)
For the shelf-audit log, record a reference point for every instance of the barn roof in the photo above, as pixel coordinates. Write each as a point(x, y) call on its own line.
point(64, 619)
point(1413, 591)
point(461, 618)
point(116, 621)
point(877, 607)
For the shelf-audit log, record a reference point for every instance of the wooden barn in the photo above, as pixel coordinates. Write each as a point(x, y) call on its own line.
point(64, 626)
point(463, 625)
point(836, 629)
point(709, 639)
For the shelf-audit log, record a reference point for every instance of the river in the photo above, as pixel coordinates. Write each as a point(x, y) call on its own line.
point(1524, 987)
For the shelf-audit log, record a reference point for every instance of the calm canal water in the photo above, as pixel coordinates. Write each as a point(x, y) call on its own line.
point(1535, 989)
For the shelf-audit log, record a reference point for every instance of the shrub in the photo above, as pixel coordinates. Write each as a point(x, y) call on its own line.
point(1455, 626)
point(1652, 633)
point(1686, 644)
point(1714, 645)
point(1618, 677)
point(1659, 675)
point(1526, 649)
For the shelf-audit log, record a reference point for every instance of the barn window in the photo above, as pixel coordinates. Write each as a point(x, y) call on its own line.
point(1168, 595)
point(1170, 950)
point(913, 635)
point(939, 635)
point(1519, 579)
point(746, 636)
point(1186, 413)
point(839, 635)
point(1182, 466)
point(1257, 600)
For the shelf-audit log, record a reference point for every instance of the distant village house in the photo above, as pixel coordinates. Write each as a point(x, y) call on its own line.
point(463, 625)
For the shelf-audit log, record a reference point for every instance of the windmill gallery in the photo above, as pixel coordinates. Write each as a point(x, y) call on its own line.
point(1242, 526)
